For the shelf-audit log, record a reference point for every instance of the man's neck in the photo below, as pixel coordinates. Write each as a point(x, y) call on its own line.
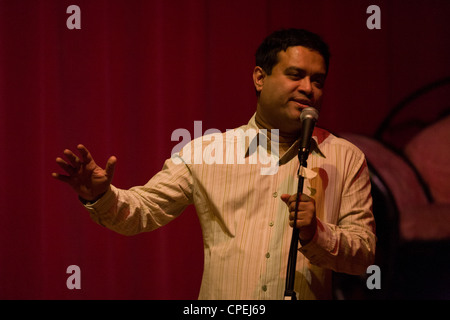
point(285, 140)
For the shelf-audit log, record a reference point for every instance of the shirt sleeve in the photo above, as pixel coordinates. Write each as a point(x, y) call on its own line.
point(349, 245)
point(148, 207)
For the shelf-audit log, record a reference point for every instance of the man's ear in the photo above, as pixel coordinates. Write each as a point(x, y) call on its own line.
point(259, 75)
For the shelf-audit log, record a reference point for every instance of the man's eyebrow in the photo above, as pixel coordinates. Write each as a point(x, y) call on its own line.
point(300, 70)
point(293, 69)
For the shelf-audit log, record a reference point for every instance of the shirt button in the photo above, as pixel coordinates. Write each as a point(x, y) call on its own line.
point(264, 288)
point(271, 224)
point(275, 194)
point(267, 255)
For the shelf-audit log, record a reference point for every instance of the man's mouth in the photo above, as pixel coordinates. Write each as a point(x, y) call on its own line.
point(303, 102)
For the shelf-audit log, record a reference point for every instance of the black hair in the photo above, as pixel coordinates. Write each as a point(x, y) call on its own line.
point(267, 54)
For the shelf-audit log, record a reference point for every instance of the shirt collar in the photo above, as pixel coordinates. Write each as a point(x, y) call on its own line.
point(292, 151)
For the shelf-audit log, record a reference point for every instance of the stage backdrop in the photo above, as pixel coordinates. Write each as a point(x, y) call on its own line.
point(136, 71)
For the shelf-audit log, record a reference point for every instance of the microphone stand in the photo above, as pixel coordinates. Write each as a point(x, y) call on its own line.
point(308, 117)
point(289, 293)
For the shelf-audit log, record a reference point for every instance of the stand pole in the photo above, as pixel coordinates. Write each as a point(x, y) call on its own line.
point(289, 293)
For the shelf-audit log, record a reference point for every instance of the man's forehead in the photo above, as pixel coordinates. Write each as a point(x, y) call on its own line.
point(293, 57)
point(299, 52)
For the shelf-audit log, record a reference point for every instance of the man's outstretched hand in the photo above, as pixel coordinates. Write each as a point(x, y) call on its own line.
point(88, 179)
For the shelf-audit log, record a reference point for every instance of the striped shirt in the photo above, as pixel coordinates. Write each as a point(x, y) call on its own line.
point(244, 222)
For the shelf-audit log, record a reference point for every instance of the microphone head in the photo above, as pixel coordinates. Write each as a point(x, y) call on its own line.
point(309, 113)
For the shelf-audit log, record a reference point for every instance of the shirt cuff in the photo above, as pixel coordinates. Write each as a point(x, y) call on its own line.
point(324, 241)
point(104, 203)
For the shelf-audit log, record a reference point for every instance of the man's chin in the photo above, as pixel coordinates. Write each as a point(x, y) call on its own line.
point(294, 116)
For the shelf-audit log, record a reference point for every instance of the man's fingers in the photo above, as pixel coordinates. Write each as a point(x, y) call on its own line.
point(61, 177)
point(85, 154)
point(301, 221)
point(289, 199)
point(304, 197)
point(73, 159)
point(300, 216)
point(71, 166)
point(304, 201)
point(65, 166)
point(110, 166)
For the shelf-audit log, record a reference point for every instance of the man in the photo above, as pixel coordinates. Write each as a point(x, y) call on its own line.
point(246, 216)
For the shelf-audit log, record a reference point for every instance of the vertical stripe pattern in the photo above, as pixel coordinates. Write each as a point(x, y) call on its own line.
point(245, 223)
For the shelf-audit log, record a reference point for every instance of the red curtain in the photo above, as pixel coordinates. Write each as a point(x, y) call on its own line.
point(135, 72)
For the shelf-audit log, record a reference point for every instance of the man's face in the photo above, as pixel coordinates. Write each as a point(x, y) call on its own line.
point(296, 82)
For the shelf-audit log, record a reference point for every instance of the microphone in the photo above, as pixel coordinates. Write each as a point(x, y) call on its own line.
point(308, 117)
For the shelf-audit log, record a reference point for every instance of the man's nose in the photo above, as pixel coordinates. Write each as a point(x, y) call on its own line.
point(305, 86)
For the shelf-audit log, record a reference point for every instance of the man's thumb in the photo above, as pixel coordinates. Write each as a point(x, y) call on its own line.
point(285, 197)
